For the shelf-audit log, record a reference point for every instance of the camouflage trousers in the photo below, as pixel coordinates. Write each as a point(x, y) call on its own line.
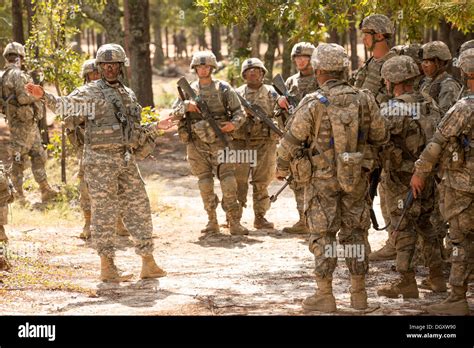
point(116, 187)
point(3, 215)
point(329, 210)
point(416, 222)
point(25, 141)
point(206, 161)
point(262, 174)
point(84, 197)
point(458, 209)
point(298, 190)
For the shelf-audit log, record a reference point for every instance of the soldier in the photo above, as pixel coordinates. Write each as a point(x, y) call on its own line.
point(336, 125)
point(75, 129)
point(440, 85)
point(452, 147)
point(22, 116)
point(412, 50)
point(257, 137)
point(204, 149)
point(465, 46)
point(299, 85)
point(411, 118)
point(377, 31)
point(6, 197)
point(112, 116)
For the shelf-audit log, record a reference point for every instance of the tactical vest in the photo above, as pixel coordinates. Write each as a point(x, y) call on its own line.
point(434, 88)
point(215, 96)
point(116, 125)
point(299, 85)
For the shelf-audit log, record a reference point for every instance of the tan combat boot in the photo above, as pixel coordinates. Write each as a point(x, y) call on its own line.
point(406, 286)
point(435, 281)
point(121, 229)
point(86, 230)
point(212, 224)
point(358, 292)
point(110, 273)
point(47, 193)
point(150, 269)
point(387, 252)
point(237, 229)
point(19, 197)
point(3, 235)
point(323, 300)
point(455, 304)
point(298, 228)
point(261, 223)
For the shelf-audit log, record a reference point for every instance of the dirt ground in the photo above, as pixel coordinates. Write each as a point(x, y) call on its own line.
point(267, 272)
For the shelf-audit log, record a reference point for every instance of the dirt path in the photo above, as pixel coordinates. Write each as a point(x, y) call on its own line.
point(267, 272)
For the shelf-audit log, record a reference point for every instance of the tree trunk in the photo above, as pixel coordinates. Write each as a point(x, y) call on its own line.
point(434, 35)
point(78, 38)
point(334, 36)
point(269, 57)
point(353, 42)
point(286, 66)
point(30, 13)
point(255, 39)
point(139, 23)
point(216, 41)
point(167, 43)
point(17, 22)
point(109, 19)
point(241, 38)
point(158, 58)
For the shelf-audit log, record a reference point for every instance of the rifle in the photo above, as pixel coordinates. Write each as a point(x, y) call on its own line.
point(374, 182)
point(406, 206)
point(280, 87)
point(187, 120)
point(288, 180)
point(205, 112)
point(260, 115)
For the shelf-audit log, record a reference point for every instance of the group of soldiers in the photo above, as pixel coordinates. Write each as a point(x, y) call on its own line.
point(401, 120)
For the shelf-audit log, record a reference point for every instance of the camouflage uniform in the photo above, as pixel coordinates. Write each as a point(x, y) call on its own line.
point(112, 128)
point(255, 136)
point(6, 197)
point(336, 193)
point(204, 148)
point(75, 129)
point(412, 50)
point(368, 77)
point(22, 116)
point(299, 86)
point(451, 146)
point(411, 118)
point(443, 88)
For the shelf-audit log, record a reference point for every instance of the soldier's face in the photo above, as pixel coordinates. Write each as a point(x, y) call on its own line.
point(203, 71)
point(429, 67)
point(367, 39)
point(302, 62)
point(94, 75)
point(253, 75)
point(111, 71)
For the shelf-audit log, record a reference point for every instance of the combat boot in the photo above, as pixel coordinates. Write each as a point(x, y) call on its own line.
point(110, 273)
point(212, 225)
point(298, 228)
point(435, 280)
point(121, 229)
point(47, 193)
point(237, 229)
point(86, 230)
point(387, 252)
point(3, 235)
point(150, 269)
point(358, 292)
point(261, 223)
point(323, 300)
point(455, 304)
point(406, 286)
point(19, 197)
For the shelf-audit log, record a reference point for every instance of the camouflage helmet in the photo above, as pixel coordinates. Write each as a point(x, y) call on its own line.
point(330, 57)
point(412, 50)
point(466, 61)
point(87, 67)
point(378, 24)
point(111, 53)
point(203, 58)
point(465, 46)
point(399, 68)
point(14, 48)
point(436, 49)
point(252, 63)
point(302, 49)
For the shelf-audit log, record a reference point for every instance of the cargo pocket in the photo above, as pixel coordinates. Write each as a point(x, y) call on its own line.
point(349, 170)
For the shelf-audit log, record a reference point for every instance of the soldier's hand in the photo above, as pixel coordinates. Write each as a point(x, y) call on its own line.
point(191, 106)
point(283, 103)
point(227, 127)
point(417, 184)
point(35, 90)
point(281, 174)
point(167, 123)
